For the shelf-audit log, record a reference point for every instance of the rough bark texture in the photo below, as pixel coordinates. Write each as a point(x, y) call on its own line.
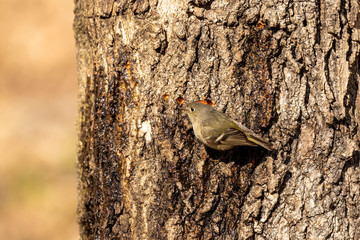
point(289, 70)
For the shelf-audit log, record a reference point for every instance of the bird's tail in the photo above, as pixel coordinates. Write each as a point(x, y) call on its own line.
point(259, 141)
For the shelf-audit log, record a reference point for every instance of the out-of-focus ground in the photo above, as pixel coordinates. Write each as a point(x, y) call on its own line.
point(38, 104)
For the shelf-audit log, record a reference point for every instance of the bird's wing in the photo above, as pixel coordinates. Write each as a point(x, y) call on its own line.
point(231, 137)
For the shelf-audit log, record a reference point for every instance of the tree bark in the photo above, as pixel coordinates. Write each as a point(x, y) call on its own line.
point(289, 70)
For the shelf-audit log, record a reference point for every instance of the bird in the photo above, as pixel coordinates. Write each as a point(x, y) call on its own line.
point(218, 131)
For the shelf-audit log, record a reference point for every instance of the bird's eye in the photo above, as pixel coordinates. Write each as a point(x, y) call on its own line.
point(192, 109)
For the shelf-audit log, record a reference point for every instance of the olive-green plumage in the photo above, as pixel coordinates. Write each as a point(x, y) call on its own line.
point(219, 131)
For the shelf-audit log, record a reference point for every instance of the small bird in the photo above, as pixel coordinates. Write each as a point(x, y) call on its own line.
point(218, 131)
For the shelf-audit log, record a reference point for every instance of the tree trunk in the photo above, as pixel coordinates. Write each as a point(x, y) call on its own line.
point(289, 70)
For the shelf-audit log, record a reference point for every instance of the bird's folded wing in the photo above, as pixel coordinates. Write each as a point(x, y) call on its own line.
point(237, 137)
point(232, 137)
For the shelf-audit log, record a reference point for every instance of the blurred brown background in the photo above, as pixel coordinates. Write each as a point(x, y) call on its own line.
point(38, 103)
